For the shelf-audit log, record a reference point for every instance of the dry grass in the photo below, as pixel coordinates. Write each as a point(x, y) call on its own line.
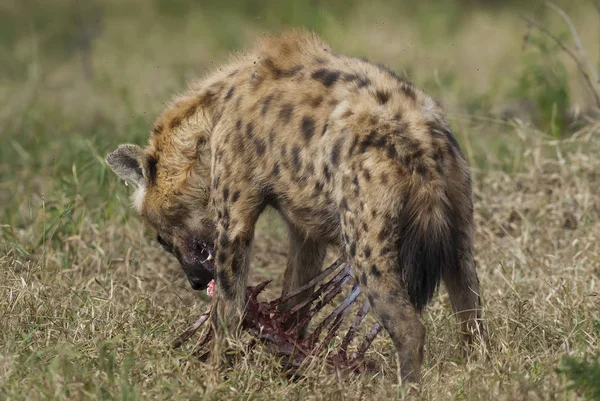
point(101, 327)
point(89, 303)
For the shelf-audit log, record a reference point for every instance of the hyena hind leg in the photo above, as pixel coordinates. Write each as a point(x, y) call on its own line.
point(462, 285)
point(380, 277)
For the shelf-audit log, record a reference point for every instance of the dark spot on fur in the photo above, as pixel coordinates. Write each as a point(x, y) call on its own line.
point(384, 178)
point(390, 151)
point(158, 128)
point(347, 113)
point(365, 226)
point(222, 257)
point(316, 101)
point(324, 128)
point(421, 169)
point(175, 122)
point(296, 163)
point(382, 96)
point(224, 283)
point(335, 151)
point(275, 171)
point(367, 252)
point(250, 130)
point(285, 114)
point(230, 93)
point(363, 278)
point(224, 240)
point(353, 249)
point(367, 175)
point(344, 204)
point(266, 103)
point(409, 91)
point(279, 72)
point(438, 157)
point(382, 235)
point(261, 146)
point(271, 138)
point(375, 271)
point(385, 320)
point(235, 196)
point(371, 300)
point(208, 97)
point(361, 82)
point(307, 126)
point(372, 140)
point(384, 251)
point(225, 194)
point(238, 125)
point(326, 172)
point(318, 186)
point(325, 76)
point(320, 60)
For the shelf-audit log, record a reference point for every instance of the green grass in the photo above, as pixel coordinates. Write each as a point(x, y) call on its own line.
point(89, 303)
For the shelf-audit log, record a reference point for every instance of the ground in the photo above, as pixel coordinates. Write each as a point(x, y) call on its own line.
point(89, 303)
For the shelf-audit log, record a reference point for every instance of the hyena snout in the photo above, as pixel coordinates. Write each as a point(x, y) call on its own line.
point(196, 259)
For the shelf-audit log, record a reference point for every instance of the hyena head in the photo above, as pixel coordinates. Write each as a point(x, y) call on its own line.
point(172, 195)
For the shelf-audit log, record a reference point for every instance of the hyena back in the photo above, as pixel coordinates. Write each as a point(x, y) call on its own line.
point(351, 155)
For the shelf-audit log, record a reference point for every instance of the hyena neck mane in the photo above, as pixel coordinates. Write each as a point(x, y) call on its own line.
point(180, 144)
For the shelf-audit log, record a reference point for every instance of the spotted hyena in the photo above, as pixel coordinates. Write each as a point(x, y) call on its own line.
point(352, 156)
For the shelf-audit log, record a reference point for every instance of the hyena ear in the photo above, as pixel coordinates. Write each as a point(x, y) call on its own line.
point(126, 161)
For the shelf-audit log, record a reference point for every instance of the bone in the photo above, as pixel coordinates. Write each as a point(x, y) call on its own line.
point(265, 321)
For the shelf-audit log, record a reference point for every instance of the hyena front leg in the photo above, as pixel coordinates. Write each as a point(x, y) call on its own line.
point(305, 260)
point(237, 213)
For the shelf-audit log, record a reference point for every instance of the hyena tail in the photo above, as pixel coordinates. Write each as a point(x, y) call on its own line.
point(427, 240)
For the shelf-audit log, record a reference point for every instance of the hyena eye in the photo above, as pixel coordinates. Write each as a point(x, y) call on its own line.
point(168, 247)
